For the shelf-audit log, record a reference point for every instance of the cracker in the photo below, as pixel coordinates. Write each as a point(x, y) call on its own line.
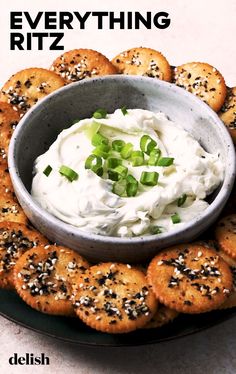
point(162, 316)
point(43, 276)
point(114, 298)
point(190, 278)
point(6, 187)
point(78, 64)
point(231, 301)
point(225, 234)
point(228, 112)
point(25, 88)
point(9, 119)
point(202, 80)
point(15, 239)
point(143, 61)
point(10, 210)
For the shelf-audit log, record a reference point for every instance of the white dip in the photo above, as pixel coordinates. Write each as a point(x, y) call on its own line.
point(89, 203)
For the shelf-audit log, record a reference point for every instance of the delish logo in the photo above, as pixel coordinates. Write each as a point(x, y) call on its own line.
point(29, 359)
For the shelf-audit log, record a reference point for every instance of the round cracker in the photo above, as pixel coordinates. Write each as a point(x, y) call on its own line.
point(15, 239)
point(202, 80)
point(43, 276)
point(114, 298)
point(228, 112)
point(231, 301)
point(78, 64)
point(225, 234)
point(25, 88)
point(143, 61)
point(6, 187)
point(10, 210)
point(190, 278)
point(162, 316)
point(9, 119)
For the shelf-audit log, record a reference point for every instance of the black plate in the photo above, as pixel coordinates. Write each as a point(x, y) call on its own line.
point(74, 331)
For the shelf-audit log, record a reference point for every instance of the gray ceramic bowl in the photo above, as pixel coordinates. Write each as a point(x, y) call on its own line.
point(40, 127)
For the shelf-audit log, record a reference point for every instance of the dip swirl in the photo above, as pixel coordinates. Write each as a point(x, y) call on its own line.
point(88, 202)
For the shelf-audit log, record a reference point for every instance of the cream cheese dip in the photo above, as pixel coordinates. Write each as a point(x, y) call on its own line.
point(159, 182)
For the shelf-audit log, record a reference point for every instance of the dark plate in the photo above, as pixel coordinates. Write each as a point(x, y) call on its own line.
point(74, 331)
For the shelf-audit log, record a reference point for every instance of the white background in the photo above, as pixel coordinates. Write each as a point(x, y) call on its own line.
point(201, 30)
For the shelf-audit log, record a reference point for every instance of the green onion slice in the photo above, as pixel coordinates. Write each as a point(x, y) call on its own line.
point(154, 157)
point(91, 129)
point(98, 139)
point(98, 170)
point(119, 187)
point(124, 110)
point(132, 186)
point(175, 218)
point(113, 175)
point(69, 173)
point(47, 170)
point(149, 178)
point(181, 200)
point(102, 150)
point(127, 151)
point(121, 170)
point(137, 158)
point(100, 113)
point(113, 162)
point(131, 179)
point(147, 144)
point(93, 161)
point(155, 230)
point(118, 144)
point(165, 161)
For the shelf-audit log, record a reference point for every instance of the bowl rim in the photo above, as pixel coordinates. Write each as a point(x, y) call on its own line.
point(218, 202)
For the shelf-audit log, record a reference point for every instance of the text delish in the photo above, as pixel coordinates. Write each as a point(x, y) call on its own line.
point(60, 21)
point(29, 359)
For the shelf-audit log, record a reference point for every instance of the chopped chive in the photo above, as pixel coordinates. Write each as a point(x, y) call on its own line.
point(47, 170)
point(131, 179)
point(118, 144)
point(98, 170)
point(165, 161)
point(132, 186)
point(69, 173)
point(98, 139)
point(93, 161)
point(124, 110)
point(181, 200)
point(113, 162)
point(155, 230)
point(113, 175)
point(154, 157)
point(149, 178)
point(175, 218)
point(147, 144)
point(126, 151)
point(137, 158)
point(102, 150)
point(119, 187)
point(100, 113)
point(92, 129)
point(121, 170)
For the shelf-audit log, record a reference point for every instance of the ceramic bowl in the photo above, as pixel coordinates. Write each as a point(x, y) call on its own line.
point(41, 125)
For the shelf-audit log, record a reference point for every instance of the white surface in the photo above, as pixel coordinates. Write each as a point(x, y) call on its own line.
point(211, 352)
point(201, 31)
